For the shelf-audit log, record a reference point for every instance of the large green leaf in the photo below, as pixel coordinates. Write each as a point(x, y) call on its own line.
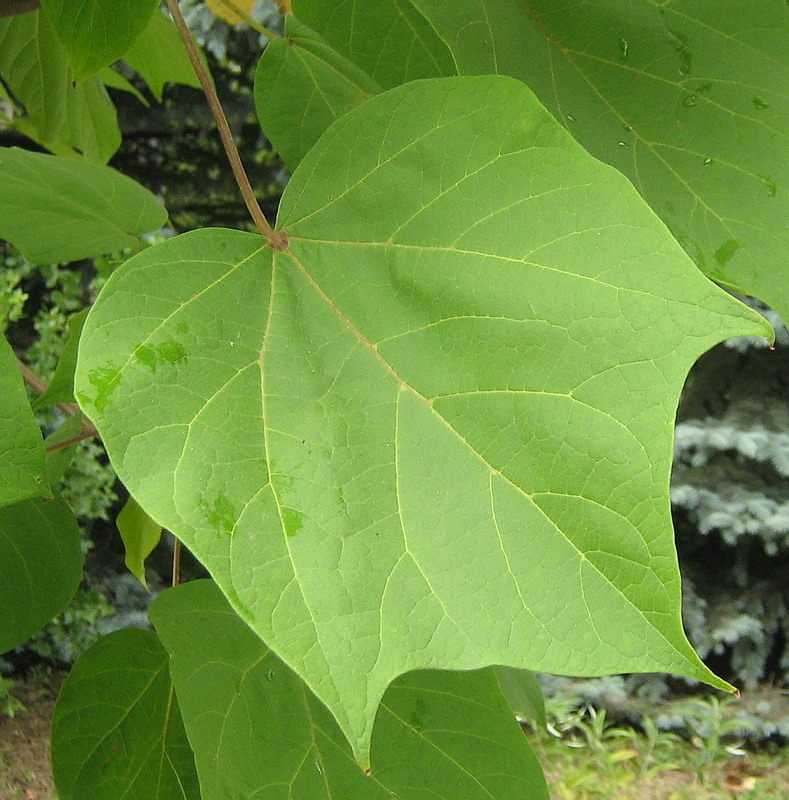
point(117, 731)
point(301, 86)
point(22, 470)
point(389, 39)
point(96, 33)
point(64, 117)
point(40, 566)
point(60, 209)
point(256, 730)
point(437, 432)
point(690, 99)
point(160, 57)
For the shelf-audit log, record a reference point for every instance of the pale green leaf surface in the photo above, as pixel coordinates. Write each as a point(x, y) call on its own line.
point(689, 99)
point(523, 693)
point(61, 387)
point(22, 471)
point(258, 732)
point(95, 33)
point(160, 57)
point(117, 732)
point(58, 209)
point(389, 39)
point(40, 566)
point(438, 434)
point(140, 536)
point(301, 86)
point(64, 118)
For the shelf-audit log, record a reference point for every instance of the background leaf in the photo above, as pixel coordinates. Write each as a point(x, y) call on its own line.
point(256, 729)
point(140, 535)
point(462, 374)
point(22, 470)
point(64, 118)
point(117, 731)
point(158, 55)
point(59, 209)
point(301, 86)
point(95, 33)
point(40, 566)
point(390, 39)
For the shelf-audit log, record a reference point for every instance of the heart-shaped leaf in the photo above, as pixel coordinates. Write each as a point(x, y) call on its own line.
point(255, 728)
point(436, 431)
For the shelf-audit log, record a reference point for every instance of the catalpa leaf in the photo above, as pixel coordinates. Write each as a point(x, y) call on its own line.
point(256, 729)
point(40, 566)
point(60, 209)
point(436, 430)
point(117, 730)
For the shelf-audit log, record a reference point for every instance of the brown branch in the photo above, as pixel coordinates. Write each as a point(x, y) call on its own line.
point(176, 561)
point(276, 240)
point(72, 440)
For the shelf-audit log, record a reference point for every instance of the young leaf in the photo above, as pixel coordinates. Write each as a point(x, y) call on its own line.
point(375, 36)
point(97, 33)
point(255, 726)
point(117, 730)
point(22, 470)
point(229, 11)
point(61, 387)
point(59, 209)
point(114, 80)
point(160, 57)
point(462, 374)
point(690, 100)
point(140, 535)
point(64, 118)
point(301, 87)
point(40, 566)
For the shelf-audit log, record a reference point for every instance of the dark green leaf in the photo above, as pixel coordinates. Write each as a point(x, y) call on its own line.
point(301, 87)
point(140, 535)
point(60, 209)
point(256, 729)
point(22, 470)
point(117, 731)
point(96, 33)
point(40, 566)
point(461, 375)
point(65, 118)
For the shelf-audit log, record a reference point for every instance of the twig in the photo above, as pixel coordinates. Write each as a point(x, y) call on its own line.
point(72, 440)
point(278, 241)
